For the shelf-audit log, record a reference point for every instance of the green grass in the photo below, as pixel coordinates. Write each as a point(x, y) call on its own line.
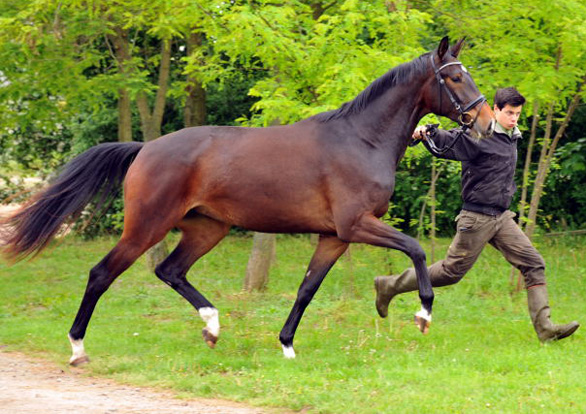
point(481, 355)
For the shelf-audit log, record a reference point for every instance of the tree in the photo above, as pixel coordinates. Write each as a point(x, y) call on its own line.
point(541, 52)
point(545, 40)
point(81, 42)
point(262, 256)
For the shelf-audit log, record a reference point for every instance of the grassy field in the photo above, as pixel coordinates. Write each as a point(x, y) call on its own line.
point(480, 356)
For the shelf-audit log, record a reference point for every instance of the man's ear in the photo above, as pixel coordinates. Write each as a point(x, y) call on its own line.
point(443, 47)
point(455, 50)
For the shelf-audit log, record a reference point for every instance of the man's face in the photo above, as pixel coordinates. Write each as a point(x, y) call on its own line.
point(508, 116)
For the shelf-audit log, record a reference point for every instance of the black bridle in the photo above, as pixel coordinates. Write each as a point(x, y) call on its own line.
point(465, 118)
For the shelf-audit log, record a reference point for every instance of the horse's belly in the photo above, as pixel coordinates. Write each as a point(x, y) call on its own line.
point(270, 216)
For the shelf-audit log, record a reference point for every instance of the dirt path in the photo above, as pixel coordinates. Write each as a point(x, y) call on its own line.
point(30, 386)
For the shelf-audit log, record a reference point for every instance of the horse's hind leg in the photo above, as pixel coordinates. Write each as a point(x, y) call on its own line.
point(328, 250)
point(101, 277)
point(200, 235)
point(372, 231)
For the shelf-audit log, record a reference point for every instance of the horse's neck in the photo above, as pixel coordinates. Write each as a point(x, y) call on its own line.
point(389, 122)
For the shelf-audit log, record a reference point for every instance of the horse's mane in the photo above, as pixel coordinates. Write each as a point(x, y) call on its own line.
point(399, 75)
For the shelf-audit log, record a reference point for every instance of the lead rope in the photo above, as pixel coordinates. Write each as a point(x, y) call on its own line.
point(433, 148)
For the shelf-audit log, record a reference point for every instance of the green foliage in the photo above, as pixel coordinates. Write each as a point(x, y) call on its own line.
point(109, 222)
point(536, 46)
point(264, 62)
point(566, 194)
point(481, 355)
point(312, 64)
point(411, 192)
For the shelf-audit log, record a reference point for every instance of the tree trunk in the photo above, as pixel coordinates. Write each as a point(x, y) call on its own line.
point(539, 178)
point(151, 129)
point(527, 167)
point(151, 120)
point(347, 258)
point(432, 202)
point(194, 112)
point(156, 254)
point(429, 199)
point(314, 239)
point(124, 116)
point(121, 47)
point(545, 161)
point(259, 263)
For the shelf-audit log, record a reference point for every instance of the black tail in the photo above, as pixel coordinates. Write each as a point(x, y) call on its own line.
point(95, 175)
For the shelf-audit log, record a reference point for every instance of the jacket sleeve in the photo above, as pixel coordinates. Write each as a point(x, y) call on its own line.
point(446, 144)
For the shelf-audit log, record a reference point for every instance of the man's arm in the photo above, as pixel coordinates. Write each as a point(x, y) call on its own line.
point(447, 144)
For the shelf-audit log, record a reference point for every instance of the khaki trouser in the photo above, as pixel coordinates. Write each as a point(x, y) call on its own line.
point(473, 232)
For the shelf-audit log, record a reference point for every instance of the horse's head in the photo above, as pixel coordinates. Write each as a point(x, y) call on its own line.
point(451, 91)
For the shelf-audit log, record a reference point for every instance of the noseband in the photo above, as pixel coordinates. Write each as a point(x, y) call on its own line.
point(465, 118)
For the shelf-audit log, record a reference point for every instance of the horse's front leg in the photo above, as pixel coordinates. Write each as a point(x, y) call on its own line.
point(372, 231)
point(328, 250)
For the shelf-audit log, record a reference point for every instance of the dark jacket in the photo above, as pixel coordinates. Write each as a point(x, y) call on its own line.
point(488, 167)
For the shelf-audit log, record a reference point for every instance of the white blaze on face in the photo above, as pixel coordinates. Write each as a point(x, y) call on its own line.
point(78, 349)
point(210, 317)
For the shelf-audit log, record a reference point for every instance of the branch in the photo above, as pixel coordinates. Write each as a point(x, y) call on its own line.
point(573, 105)
point(211, 16)
point(527, 167)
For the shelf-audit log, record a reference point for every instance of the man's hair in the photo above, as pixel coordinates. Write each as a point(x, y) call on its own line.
point(510, 96)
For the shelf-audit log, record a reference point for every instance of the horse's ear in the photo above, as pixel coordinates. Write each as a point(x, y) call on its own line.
point(455, 50)
point(443, 47)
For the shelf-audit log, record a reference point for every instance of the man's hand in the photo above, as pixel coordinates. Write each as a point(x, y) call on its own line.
point(420, 133)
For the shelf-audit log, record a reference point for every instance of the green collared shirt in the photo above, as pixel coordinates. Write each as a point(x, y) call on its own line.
point(510, 132)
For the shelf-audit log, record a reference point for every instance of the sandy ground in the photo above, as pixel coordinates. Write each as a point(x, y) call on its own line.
point(30, 386)
point(35, 386)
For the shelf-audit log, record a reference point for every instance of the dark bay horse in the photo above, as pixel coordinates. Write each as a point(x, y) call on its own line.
point(332, 174)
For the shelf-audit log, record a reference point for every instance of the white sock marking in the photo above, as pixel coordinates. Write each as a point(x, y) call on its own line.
point(78, 349)
point(424, 314)
point(289, 352)
point(210, 317)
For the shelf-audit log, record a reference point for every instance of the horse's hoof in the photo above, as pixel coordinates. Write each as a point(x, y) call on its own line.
point(79, 361)
point(423, 320)
point(209, 338)
point(422, 324)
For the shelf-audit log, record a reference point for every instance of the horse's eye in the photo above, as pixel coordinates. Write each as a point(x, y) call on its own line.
point(456, 79)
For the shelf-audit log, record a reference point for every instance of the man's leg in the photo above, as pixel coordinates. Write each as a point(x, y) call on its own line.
point(474, 230)
point(518, 250)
